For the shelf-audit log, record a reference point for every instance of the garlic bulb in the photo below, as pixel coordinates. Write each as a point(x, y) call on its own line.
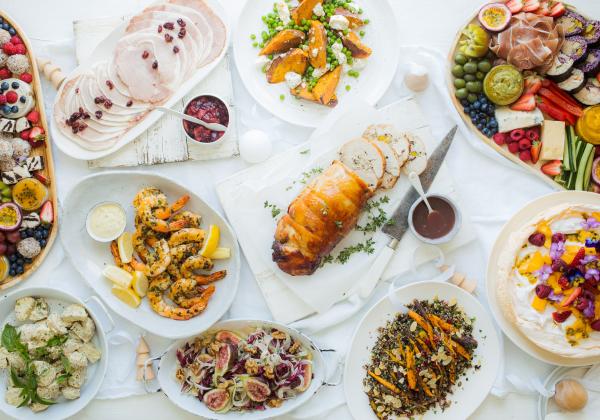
point(570, 395)
point(417, 78)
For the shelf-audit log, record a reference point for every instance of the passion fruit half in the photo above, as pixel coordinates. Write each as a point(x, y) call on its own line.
point(10, 217)
point(494, 17)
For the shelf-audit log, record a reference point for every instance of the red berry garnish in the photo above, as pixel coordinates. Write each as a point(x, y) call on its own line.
point(582, 303)
point(15, 40)
point(542, 290)
point(524, 144)
point(537, 239)
point(20, 49)
point(24, 134)
point(532, 134)
point(513, 147)
point(499, 138)
point(26, 77)
point(2, 99)
point(560, 317)
point(33, 117)
point(9, 48)
point(595, 325)
point(517, 134)
point(558, 237)
point(525, 155)
point(5, 73)
point(12, 97)
point(578, 257)
point(563, 282)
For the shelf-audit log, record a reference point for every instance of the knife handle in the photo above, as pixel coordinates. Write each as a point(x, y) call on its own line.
point(376, 270)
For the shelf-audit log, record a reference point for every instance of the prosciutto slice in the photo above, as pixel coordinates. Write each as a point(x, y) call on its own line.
point(530, 42)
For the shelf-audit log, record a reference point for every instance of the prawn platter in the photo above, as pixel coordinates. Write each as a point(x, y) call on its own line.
point(175, 270)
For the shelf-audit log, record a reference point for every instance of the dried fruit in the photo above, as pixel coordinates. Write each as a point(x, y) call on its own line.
point(560, 317)
point(257, 390)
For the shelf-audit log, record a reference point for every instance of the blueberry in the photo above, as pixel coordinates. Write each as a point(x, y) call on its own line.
point(6, 109)
point(4, 86)
point(43, 243)
point(486, 131)
point(30, 231)
point(493, 122)
point(476, 105)
point(23, 234)
point(15, 85)
point(20, 261)
point(479, 126)
point(22, 99)
point(14, 109)
point(12, 258)
point(464, 102)
point(12, 31)
point(467, 109)
point(20, 269)
point(28, 260)
point(37, 235)
point(484, 107)
point(5, 26)
point(45, 234)
point(12, 272)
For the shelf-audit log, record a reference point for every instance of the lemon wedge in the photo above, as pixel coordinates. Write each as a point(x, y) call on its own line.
point(118, 276)
point(127, 296)
point(139, 283)
point(221, 254)
point(125, 245)
point(212, 241)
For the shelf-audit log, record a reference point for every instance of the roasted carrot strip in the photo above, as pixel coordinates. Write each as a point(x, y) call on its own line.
point(411, 375)
point(385, 383)
point(424, 345)
point(461, 350)
point(425, 387)
point(393, 357)
point(424, 324)
point(446, 326)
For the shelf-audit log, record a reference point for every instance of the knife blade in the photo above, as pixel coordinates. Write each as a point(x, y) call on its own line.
point(399, 225)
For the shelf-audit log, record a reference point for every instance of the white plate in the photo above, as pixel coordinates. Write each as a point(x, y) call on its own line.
point(466, 398)
point(95, 373)
point(374, 80)
point(89, 257)
point(168, 366)
point(105, 51)
point(521, 219)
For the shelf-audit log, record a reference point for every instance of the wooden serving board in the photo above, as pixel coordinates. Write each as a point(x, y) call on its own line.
point(45, 151)
point(531, 168)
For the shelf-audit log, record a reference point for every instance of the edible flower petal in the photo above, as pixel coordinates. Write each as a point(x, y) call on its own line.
point(557, 249)
point(590, 223)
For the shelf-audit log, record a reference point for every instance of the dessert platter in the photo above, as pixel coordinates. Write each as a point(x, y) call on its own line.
point(152, 59)
point(299, 60)
point(523, 75)
point(147, 236)
point(27, 183)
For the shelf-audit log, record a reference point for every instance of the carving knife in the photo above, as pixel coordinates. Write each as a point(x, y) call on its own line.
point(399, 225)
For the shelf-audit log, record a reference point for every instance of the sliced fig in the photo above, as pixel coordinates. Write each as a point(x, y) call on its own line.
point(225, 359)
point(10, 217)
point(257, 390)
point(217, 400)
point(228, 337)
point(307, 374)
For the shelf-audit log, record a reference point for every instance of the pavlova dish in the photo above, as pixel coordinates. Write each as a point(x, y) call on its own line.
point(46, 353)
point(549, 280)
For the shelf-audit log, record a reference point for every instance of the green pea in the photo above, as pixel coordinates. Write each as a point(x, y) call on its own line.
point(459, 83)
point(255, 44)
point(461, 93)
point(458, 71)
point(281, 97)
point(366, 21)
point(252, 36)
point(348, 87)
point(362, 33)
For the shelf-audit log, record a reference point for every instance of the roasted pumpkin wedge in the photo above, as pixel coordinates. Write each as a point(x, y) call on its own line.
point(304, 93)
point(283, 42)
point(295, 60)
point(304, 10)
point(353, 18)
point(324, 90)
point(355, 45)
point(317, 44)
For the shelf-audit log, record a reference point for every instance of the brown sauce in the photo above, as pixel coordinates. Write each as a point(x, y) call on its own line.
point(436, 224)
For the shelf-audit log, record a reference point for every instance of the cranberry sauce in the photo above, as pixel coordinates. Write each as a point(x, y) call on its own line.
point(209, 109)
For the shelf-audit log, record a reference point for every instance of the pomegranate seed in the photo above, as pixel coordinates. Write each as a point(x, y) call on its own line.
point(558, 237)
point(175, 49)
point(159, 29)
point(563, 282)
point(145, 54)
point(542, 290)
point(537, 239)
point(560, 317)
point(155, 64)
point(168, 38)
point(558, 265)
point(110, 84)
point(595, 325)
point(169, 25)
point(180, 22)
point(129, 103)
point(98, 114)
point(181, 33)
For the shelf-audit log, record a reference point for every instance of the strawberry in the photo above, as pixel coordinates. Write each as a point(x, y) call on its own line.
point(571, 298)
point(41, 177)
point(578, 257)
point(26, 77)
point(5, 73)
point(531, 5)
point(20, 49)
point(525, 155)
point(37, 134)
point(15, 40)
point(560, 317)
point(515, 6)
point(525, 103)
point(499, 138)
point(536, 147)
point(33, 117)
point(552, 168)
point(533, 84)
point(524, 144)
point(513, 147)
point(557, 10)
point(46, 213)
point(544, 9)
point(24, 134)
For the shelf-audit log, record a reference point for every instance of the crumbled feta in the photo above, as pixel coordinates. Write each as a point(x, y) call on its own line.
point(318, 10)
point(339, 22)
point(283, 11)
point(318, 72)
point(315, 52)
point(293, 79)
point(338, 53)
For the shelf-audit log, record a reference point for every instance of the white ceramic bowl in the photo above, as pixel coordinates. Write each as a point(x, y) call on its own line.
point(217, 142)
point(95, 373)
point(88, 221)
point(450, 235)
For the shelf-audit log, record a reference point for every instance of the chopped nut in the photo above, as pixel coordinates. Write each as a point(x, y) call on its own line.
point(269, 372)
point(251, 367)
point(274, 402)
point(279, 335)
point(294, 348)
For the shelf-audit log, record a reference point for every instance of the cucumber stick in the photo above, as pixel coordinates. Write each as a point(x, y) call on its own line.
point(585, 167)
point(567, 153)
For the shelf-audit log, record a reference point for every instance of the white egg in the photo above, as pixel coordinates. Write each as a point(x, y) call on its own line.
point(255, 146)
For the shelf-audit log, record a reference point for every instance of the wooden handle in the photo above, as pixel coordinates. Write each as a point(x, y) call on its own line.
point(461, 281)
point(51, 72)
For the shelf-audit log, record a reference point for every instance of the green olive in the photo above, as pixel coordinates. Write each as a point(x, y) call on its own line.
point(470, 68)
point(472, 98)
point(470, 77)
point(459, 83)
point(484, 66)
point(480, 75)
point(460, 59)
point(461, 93)
point(474, 87)
point(457, 71)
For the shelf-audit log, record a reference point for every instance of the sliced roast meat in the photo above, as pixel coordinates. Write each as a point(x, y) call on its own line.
point(365, 159)
point(109, 89)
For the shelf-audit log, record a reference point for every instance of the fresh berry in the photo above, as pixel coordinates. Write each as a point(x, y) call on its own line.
point(499, 138)
point(515, 6)
point(12, 97)
point(20, 49)
point(9, 48)
point(563, 282)
point(2, 99)
point(517, 134)
point(558, 265)
point(558, 237)
point(537, 239)
point(26, 77)
point(513, 147)
point(542, 290)
point(525, 156)
point(13, 237)
point(595, 325)
point(552, 168)
point(524, 144)
point(535, 150)
point(37, 134)
point(5, 73)
point(582, 304)
point(525, 103)
point(41, 177)
point(591, 285)
point(558, 10)
point(578, 257)
point(33, 117)
point(531, 5)
point(15, 40)
point(46, 213)
point(572, 297)
point(533, 84)
point(532, 134)
point(24, 134)
point(560, 317)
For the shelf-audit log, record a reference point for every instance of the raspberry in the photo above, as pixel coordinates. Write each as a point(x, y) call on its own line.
point(532, 134)
point(560, 317)
point(26, 77)
point(582, 304)
point(12, 97)
point(20, 49)
point(537, 239)
point(525, 156)
point(542, 290)
point(524, 144)
point(558, 265)
point(15, 40)
point(9, 48)
point(5, 73)
point(578, 257)
point(2, 99)
point(499, 138)
point(517, 134)
point(513, 147)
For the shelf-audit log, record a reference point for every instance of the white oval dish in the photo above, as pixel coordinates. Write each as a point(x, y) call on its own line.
point(105, 50)
point(464, 399)
point(520, 219)
point(168, 366)
point(89, 257)
point(95, 373)
point(374, 79)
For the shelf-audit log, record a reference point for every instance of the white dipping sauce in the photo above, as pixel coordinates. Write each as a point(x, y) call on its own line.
point(106, 221)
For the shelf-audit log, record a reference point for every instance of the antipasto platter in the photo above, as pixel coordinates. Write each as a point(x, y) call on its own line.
point(523, 75)
point(27, 184)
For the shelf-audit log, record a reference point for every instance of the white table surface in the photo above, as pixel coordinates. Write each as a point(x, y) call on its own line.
point(490, 190)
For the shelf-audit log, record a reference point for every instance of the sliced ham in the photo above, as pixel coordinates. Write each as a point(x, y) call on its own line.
point(108, 86)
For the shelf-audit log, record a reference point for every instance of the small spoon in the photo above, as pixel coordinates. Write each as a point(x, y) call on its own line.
point(210, 126)
point(434, 215)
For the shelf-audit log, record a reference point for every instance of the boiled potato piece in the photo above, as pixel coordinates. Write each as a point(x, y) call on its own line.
point(283, 42)
point(317, 44)
point(355, 45)
point(296, 60)
point(304, 93)
point(324, 90)
point(304, 10)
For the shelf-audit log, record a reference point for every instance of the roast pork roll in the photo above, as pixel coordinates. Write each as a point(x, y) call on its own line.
point(317, 220)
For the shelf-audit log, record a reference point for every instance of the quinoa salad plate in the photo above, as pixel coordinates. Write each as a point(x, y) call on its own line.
point(436, 358)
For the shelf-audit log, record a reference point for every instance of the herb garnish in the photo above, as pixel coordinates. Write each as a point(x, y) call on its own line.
point(345, 254)
point(376, 215)
point(306, 176)
point(68, 370)
point(275, 211)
